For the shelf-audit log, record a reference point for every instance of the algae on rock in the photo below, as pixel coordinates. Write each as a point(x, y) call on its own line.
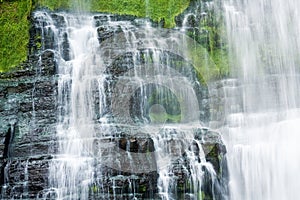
point(14, 34)
point(207, 27)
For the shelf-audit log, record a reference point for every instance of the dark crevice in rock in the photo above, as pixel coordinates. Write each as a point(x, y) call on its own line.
point(8, 141)
point(2, 173)
point(6, 153)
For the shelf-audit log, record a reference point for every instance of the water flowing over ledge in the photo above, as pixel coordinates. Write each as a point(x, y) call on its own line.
point(115, 107)
point(131, 114)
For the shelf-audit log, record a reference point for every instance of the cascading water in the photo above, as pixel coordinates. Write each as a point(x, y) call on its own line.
point(71, 172)
point(129, 106)
point(129, 103)
point(262, 116)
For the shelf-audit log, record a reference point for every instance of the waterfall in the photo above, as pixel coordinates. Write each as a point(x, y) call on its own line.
point(130, 107)
point(132, 104)
point(262, 113)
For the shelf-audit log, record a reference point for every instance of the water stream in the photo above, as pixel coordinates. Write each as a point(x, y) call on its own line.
point(133, 111)
point(262, 117)
point(122, 82)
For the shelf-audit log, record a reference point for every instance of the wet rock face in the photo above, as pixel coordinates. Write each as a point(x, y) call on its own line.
point(29, 135)
point(143, 185)
point(27, 127)
point(28, 119)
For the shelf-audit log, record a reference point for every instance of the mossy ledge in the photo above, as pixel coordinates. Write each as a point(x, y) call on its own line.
point(14, 36)
point(157, 10)
point(15, 14)
point(207, 30)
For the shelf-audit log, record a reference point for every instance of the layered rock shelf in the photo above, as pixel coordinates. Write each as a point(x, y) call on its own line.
point(29, 119)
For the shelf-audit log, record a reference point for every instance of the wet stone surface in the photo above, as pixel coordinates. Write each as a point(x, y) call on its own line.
point(29, 142)
point(27, 127)
point(28, 119)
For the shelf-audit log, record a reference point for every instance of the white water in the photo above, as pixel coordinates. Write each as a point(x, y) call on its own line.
point(83, 90)
point(263, 131)
point(71, 171)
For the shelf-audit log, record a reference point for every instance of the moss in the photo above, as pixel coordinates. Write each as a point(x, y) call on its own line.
point(203, 196)
point(14, 23)
point(14, 34)
point(157, 10)
point(216, 47)
point(14, 26)
point(142, 188)
point(213, 41)
point(161, 118)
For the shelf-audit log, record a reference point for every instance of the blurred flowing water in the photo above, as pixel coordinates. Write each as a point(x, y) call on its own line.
point(124, 79)
point(262, 125)
point(123, 82)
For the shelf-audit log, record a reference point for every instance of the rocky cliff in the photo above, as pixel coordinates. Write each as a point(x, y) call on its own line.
point(28, 114)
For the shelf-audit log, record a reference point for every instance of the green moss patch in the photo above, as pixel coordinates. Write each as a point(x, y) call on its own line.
point(14, 23)
point(14, 34)
point(157, 10)
point(14, 28)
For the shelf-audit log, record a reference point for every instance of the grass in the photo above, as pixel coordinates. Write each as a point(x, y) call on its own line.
point(14, 23)
point(157, 10)
point(14, 33)
point(14, 28)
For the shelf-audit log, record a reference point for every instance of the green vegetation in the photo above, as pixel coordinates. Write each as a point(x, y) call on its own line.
point(157, 10)
point(14, 23)
point(210, 57)
point(14, 34)
point(211, 37)
point(164, 117)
